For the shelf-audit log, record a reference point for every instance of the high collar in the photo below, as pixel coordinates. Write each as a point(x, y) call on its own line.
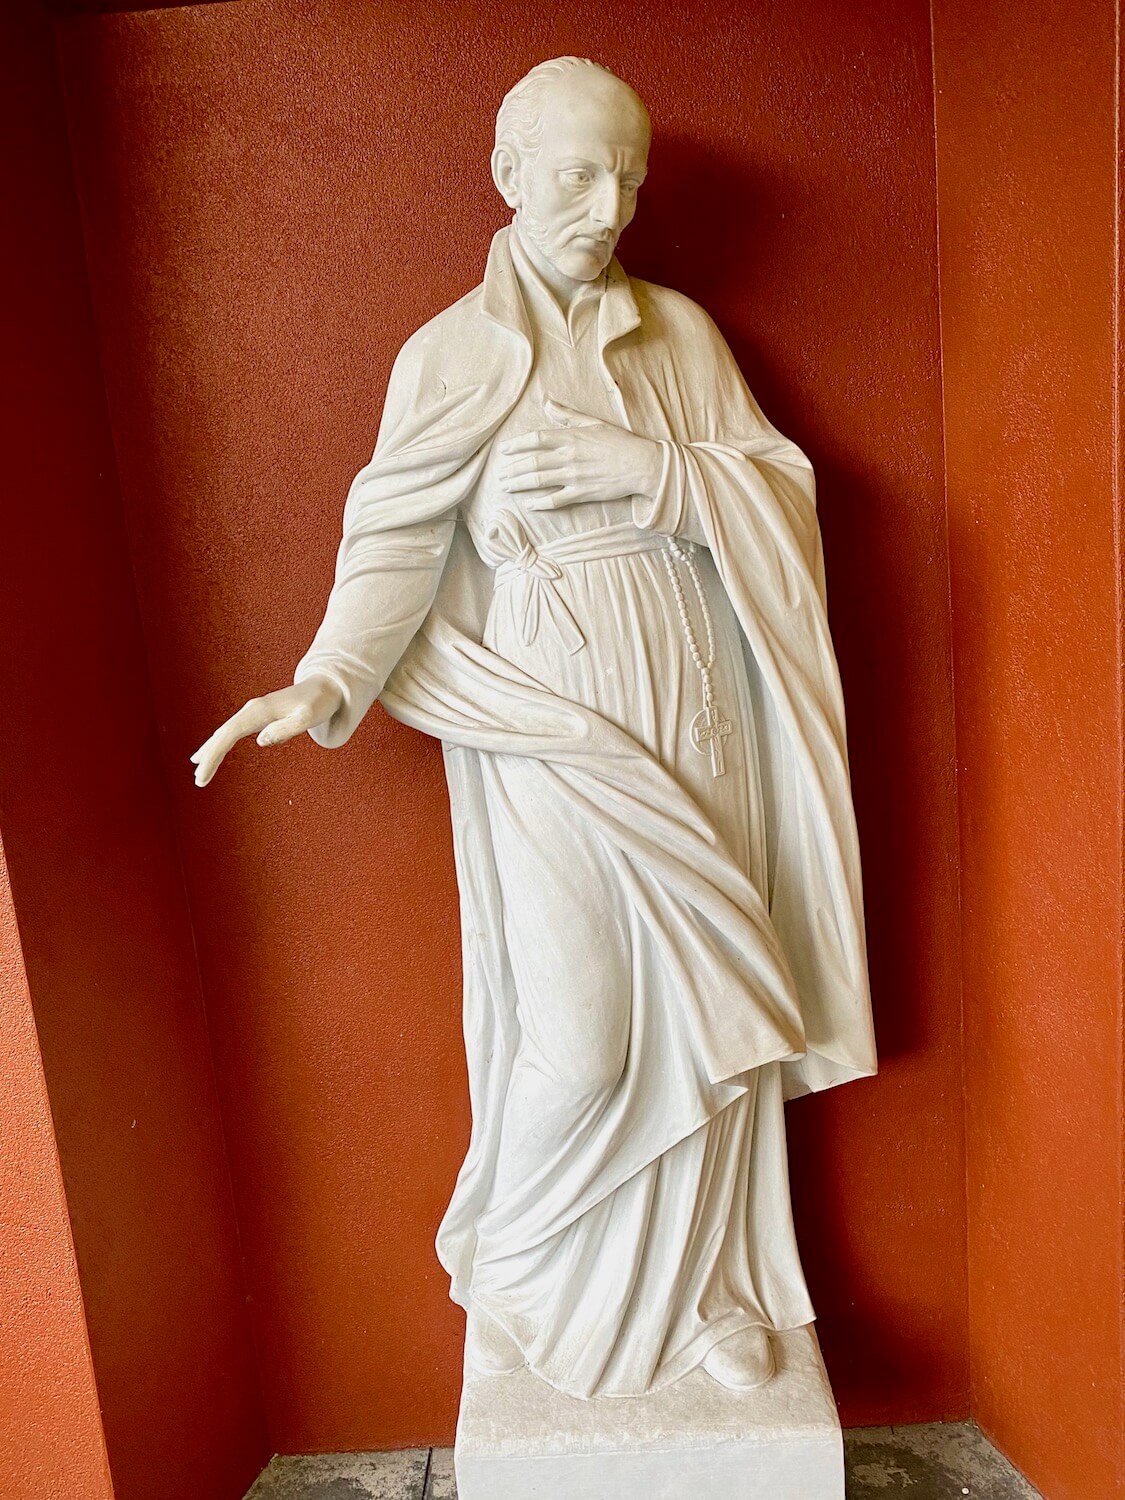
point(503, 299)
point(543, 307)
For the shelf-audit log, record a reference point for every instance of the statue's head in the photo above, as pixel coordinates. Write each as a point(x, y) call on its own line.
point(571, 153)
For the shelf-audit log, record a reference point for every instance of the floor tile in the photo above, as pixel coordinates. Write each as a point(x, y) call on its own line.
point(935, 1461)
point(441, 1485)
point(348, 1476)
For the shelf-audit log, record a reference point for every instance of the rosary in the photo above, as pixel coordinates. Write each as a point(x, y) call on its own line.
point(710, 727)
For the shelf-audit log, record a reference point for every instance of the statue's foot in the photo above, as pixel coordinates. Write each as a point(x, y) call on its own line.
point(743, 1362)
point(488, 1348)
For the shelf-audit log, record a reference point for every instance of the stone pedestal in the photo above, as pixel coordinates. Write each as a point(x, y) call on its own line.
point(517, 1439)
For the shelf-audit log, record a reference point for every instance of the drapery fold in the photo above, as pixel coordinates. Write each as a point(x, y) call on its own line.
point(753, 491)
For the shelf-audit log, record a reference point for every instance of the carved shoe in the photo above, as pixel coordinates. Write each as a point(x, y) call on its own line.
point(488, 1348)
point(743, 1362)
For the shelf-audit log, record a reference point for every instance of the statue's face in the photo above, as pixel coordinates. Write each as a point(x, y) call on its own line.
point(579, 190)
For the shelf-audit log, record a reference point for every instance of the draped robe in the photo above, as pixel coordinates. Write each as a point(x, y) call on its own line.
point(623, 1205)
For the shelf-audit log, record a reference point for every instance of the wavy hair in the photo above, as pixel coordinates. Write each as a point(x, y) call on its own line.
point(519, 120)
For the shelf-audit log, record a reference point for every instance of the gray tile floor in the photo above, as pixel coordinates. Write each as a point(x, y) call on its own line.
point(939, 1461)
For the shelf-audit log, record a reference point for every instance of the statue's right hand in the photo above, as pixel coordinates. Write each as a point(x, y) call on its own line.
point(273, 719)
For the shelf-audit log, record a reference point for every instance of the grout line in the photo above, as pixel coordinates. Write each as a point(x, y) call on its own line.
point(426, 1475)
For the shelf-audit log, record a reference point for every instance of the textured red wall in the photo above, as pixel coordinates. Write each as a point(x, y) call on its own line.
point(275, 196)
point(50, 1428)
point(99, 898)
point(1027, 136)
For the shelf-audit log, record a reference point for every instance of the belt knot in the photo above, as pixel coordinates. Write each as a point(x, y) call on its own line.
point(536, 578)
point(518, 553)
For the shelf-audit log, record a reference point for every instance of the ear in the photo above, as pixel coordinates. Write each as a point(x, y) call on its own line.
point(506, 175)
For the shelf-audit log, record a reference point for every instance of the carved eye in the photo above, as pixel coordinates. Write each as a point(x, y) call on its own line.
point(577, 178)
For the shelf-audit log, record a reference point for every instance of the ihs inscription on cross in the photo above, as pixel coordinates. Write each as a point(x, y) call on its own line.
point(709, 729)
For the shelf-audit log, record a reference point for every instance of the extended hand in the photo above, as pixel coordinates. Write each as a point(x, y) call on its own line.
point(577, 460)
point(275, 718)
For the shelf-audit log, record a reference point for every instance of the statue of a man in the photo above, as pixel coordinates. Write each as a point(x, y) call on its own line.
point(583, 559)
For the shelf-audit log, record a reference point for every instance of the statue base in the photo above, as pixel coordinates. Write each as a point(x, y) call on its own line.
point(518, 1439)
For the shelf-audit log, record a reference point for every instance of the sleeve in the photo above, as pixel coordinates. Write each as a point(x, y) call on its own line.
point(730, 448)
point(384, 587)
point(670, 511)
point(399, 521)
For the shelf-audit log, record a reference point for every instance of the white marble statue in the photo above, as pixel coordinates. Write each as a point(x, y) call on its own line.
point(583, 560)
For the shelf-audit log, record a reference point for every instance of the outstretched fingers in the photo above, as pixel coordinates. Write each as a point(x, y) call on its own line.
point(252, 718)
point(288, 727)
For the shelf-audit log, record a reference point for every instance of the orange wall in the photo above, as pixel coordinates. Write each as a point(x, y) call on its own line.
point(50, 1427)
point(275, 196)
point(1027, 136)
point(99, 899)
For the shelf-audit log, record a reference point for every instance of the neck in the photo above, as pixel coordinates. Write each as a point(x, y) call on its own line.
point(564, 289)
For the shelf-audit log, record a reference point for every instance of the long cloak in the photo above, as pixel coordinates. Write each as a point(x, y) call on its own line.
point(766, 977)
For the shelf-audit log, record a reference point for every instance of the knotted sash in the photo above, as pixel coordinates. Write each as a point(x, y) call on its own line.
point(533, 569)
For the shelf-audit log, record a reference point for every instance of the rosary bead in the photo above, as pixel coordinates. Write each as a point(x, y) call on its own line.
point(709, 728)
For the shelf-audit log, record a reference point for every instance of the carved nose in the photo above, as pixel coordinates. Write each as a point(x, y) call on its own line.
point(608, 206)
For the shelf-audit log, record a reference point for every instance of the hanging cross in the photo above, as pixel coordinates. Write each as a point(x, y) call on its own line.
point(708, 731)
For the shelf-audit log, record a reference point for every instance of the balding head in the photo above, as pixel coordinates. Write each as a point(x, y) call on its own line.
point(521, 119)
point(571, 152)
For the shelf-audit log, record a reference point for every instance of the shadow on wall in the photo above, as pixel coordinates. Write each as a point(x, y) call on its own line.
point(708, 230)
point(703, 218)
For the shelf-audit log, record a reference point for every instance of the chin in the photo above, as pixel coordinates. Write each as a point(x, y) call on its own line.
point(583, 266)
